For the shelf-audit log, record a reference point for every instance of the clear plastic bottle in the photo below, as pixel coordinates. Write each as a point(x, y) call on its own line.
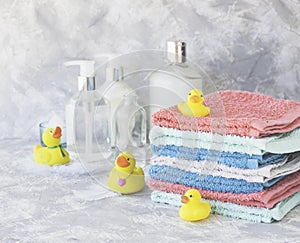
point(115, 93)
point(130, 124)
point(87, 117)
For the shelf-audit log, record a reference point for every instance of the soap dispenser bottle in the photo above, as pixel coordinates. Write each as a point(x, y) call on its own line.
point(171, 83)
point(130, 124)
point(87, 117)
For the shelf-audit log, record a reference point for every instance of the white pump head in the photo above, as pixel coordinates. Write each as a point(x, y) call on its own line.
point(86, 80)
point(86, 67)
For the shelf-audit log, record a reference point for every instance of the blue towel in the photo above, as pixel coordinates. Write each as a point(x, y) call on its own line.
point(207, 182)
point(239, 160)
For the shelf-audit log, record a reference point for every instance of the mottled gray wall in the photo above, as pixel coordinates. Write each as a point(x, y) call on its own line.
point(250, 45)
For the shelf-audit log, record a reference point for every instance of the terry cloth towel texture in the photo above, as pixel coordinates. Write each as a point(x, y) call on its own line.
point(238, 113)
point(207, 182)
point(261, 175)
point(276, 144)
point(255, 214)
point(233, 159)
point(266, 199)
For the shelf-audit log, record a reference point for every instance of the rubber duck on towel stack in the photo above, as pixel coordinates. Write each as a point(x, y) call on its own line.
point(244, 158)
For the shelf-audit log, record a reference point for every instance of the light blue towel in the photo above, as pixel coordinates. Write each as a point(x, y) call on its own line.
point(277, 144)
point(255, 214)
point(235, 159)
point(207, 182)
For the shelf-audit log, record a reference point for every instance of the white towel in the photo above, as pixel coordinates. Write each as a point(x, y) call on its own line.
point(260, 175)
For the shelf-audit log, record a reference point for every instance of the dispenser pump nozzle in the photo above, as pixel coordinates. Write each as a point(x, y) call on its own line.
point(86, 80)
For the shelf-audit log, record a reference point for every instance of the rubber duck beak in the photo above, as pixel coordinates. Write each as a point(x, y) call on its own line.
point(184, 199)
point(122, 162)
point(57, 132)
point(195, 99)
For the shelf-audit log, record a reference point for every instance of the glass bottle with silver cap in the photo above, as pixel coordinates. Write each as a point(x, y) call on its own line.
point(170, 84)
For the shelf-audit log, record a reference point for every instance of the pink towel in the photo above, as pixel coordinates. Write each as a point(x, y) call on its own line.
point(266, 199)
point(236, 113)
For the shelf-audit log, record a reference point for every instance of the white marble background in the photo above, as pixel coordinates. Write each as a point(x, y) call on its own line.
point(249, 44)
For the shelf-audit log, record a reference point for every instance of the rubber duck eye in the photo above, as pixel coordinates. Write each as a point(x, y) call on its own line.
point(189, 93)
point(128, 159)
point(50, 132)
point(191, 195)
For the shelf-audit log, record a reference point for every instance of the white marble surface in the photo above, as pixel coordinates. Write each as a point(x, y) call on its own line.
point(251, 45)
point(42, 204)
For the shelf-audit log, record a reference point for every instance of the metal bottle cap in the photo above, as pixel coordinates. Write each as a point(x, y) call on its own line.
point(114, 73)
point(176, 51)
point(86, 83)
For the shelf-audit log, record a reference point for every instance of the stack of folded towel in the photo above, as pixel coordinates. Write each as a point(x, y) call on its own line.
point(244, 157)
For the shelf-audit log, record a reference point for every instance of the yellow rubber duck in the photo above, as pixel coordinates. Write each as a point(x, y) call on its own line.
point(194, 105)
point(125, 177)
point(53, 154)
point(192, 209)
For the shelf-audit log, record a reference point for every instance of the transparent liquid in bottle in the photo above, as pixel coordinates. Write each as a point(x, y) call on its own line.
point(88, 118)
